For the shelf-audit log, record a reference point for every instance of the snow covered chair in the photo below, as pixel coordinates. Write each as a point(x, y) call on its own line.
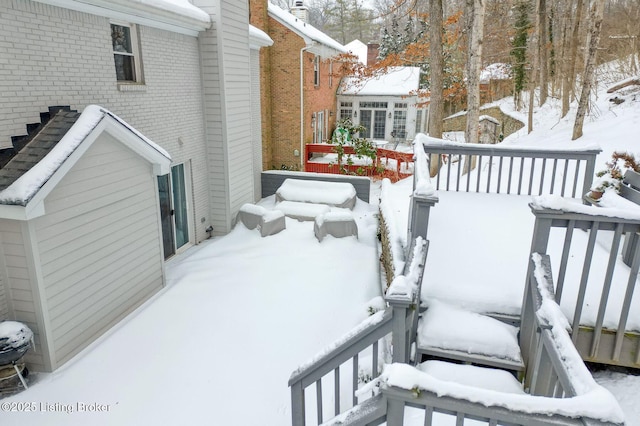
point(269, 222)
point(337, 224)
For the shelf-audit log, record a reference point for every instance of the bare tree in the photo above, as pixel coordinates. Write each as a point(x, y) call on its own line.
point(543, 48)
point(596, 11)
point(535, 47)
point(436, 86)
point(474, 23)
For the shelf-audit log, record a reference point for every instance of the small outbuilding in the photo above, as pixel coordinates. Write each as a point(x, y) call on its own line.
point(80, 230)
point(386, 104)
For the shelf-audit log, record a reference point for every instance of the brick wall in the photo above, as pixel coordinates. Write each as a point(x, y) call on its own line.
point(280, 73)
point(54, 56)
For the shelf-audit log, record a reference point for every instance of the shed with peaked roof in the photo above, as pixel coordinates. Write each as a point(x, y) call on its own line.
point(80, 231)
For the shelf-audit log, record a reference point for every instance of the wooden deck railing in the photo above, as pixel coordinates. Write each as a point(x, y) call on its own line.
point(595, 340)
point(509, 170)
point(555, 376)
point(380, 168)
point(395, 326)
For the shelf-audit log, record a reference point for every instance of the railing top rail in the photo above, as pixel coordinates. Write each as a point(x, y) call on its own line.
point(441, 145)
point(567, 363)
point(403, 381)
point(364, 334)
point(555, 206)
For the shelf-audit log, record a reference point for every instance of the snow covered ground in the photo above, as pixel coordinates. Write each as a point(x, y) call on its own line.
point(217, 346)
point(241, 312)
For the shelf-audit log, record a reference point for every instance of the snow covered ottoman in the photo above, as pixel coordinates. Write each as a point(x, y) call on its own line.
point(337, 194)
point(269, 221)
point(337, 224)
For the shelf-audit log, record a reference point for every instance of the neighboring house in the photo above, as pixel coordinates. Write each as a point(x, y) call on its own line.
point(86, 244)
point(387, 105)
point(300, 75)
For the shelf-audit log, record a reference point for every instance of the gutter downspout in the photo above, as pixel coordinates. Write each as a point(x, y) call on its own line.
point(308, 46)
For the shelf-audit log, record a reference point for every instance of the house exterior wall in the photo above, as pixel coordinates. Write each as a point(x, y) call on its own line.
point(256, 124)
point(18, 274)
point(54, 56)
point(259, 18)
point(99, 245)
point(227, 110)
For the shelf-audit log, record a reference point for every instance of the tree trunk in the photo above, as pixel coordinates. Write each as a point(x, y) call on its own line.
point(573, 55)
point(475, 22)
point(535, 47)
point(566, 43)
point(593, 39)
point(436, 104)
point(542, 51)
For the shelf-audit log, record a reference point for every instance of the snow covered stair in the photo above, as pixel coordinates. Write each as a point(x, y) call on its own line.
point(446, 331)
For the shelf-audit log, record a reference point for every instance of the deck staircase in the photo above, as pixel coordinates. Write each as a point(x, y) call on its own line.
point(20, 141)
point(549, 384)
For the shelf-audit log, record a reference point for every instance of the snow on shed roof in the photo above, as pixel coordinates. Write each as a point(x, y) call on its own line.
point(304, 29)
point(22, 177)
point(397, 81)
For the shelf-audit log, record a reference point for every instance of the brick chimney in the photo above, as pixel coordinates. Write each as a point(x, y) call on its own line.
point(372, 53)
point(300, 11)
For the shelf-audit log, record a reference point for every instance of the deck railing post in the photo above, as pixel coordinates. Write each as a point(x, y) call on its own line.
point(419, 210)
point(297, 404)
point(400, 327)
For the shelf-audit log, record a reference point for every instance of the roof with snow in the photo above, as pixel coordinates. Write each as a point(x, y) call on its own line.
point(51, 149)
point(497, 71)
point(258, 38)
point(173, 15)
point(322, 44)
point(359, 49)
point(397, 81)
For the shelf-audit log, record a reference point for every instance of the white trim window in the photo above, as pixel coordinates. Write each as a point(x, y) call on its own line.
point(126, 53)
point(316, 70)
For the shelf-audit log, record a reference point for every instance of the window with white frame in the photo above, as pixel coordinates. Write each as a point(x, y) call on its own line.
point(346, 110)
point(126, 53)
point(316, 70)
point(400, 120)
point(419, 121)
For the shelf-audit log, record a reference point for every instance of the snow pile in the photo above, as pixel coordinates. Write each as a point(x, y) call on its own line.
point(406, 285)
point(304, 29)
point(496, 71)
point(596, 404)
point(449, 327)
point(611, 205)
point(14, 334)
point(392, 209)
point(180, 7)
point(395, 81)
point(480, 377)
point(421, 168)
point(339, 194)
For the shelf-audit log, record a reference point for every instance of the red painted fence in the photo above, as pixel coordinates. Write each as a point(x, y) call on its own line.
point(381, 168)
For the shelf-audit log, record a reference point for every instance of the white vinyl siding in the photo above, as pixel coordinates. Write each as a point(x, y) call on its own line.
point(169, 111)
point(227, 62)
point(20, 285)
point(256, 125)
point(99, 245)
